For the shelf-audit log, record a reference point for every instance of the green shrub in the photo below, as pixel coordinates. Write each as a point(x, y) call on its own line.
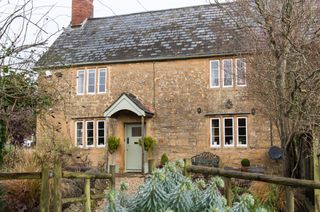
point(149, 143)
point(113, 144)
point(164, 159)
point(245, 162)
point(168, 189)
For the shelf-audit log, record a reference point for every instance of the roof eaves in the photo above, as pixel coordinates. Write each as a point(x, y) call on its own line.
point(141, 60)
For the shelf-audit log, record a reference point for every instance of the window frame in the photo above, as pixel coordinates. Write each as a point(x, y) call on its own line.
point(97, 133)
point(211, 133)
point(89, 146)
point(224, 132)
point(77, 83)
point(222, 72)
point(219, 73)
point(76, 134)
point(238, 143)
point(95, 81)
point(245, 72)
point(105, 82)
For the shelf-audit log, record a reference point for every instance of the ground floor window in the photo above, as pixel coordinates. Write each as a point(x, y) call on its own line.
point(90, 133)
point(230, 131)
point(79, 133)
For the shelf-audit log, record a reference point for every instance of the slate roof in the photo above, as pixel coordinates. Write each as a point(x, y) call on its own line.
point(175, 33)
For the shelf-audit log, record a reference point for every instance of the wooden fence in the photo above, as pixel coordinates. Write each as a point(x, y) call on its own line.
point(290, 183)
point(57, 174)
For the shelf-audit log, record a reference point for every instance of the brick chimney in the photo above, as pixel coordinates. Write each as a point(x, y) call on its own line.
point(81, 10)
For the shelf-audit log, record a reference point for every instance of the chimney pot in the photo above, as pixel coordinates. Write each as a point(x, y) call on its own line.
point(81, 10)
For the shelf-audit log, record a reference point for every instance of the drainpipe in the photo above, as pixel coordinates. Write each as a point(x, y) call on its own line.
point(142, 143)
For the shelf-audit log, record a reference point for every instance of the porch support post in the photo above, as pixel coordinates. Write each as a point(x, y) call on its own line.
point(142, 143)
point(106, 133)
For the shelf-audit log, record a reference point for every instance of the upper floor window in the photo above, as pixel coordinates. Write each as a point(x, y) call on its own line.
point(227, 73)
point(241, 72)
point(102, 81)
point(79, 133)
point(232, 72)
point(91, 82)
point(215, 73)
point(80, 82)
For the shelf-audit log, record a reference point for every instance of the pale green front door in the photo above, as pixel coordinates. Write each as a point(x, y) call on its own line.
point(133, 149)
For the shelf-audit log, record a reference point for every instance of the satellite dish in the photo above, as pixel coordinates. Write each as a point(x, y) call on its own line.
point(275, 153)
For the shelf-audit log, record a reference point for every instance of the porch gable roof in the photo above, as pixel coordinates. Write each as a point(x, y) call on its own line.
point(128, 101)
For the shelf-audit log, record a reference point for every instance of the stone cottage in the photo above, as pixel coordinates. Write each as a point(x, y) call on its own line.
point(181, 73)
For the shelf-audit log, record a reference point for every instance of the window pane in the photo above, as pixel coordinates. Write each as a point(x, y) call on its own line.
point(242, 140)
point(242, 122)
point(241, 72)
point(242, 131)
point(227, 72)
point(136, 132)
point(79, 133)
point(215, 72)
point(80, 82)
point(215, 132)
point(228, 122)
point(101, 133)
point(102, 80)
point(228, 131)
point(89, 133)
point(91, 81)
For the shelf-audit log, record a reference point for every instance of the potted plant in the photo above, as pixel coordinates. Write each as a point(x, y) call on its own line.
point(113, 145)
point(245, 163)
point(164, 160)
point(149, 143)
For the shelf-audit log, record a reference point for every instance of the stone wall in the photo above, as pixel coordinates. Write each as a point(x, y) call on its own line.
point(174, 90)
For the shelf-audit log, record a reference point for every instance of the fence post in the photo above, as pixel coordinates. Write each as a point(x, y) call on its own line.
point(57, 174)
point(44, 195)
point(227, 190)
point(113, 179)
point(187, 162)
point(150, 166)
point(87, 198)
point(289, 199)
